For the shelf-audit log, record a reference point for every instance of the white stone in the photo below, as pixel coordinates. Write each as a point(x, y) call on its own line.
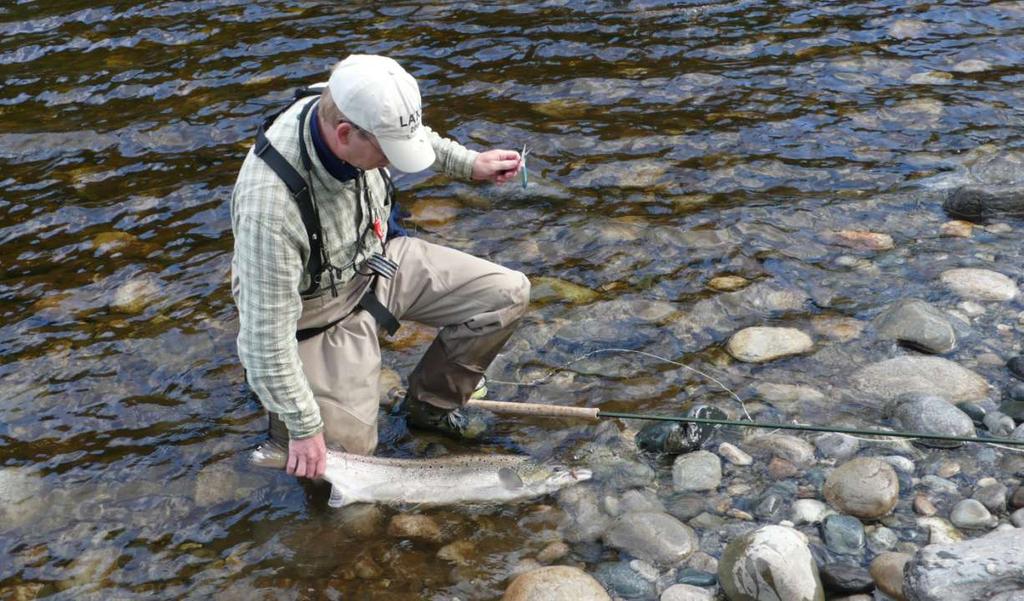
point(734, 454)
point(980, 284)
point(687, 592)
point(773, 562)
point(760, 344)
point(810, 511)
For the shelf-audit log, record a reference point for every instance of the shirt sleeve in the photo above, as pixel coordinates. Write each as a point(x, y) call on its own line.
point(267, 270)
point(453, 159)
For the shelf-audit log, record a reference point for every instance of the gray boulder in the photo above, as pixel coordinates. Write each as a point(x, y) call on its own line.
point(929, 375)
point(917, 324)
point(930, 414)
point(653, 536)
point(772, 563)
point(865, 487)
point(970, 570)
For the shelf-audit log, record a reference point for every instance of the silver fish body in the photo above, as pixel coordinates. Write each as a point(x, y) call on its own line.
point(448, 480)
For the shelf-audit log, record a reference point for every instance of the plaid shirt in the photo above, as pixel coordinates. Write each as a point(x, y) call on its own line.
point(268, 269)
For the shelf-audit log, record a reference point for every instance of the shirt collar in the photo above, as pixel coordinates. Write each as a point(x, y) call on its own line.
point(338, 168)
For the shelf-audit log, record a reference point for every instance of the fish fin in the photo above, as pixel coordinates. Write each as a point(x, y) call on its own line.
point(510, 478)
point(337, 498)
point(269, 455)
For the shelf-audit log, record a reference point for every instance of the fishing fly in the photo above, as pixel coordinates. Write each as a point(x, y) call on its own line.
point(523, 177)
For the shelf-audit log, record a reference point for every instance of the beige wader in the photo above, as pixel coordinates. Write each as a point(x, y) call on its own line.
point(475, 303)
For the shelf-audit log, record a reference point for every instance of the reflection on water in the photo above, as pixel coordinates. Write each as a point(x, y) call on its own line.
point(672, 143)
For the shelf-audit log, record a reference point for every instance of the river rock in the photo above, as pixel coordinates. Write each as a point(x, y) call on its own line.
point(837, 445)
point(865, 487)
point(940, 531)
point(761, 344)
point(555, 583)
point(686, 592)
point(809, 511)
point(653, 536)
point(843, 534)
point(917, 412)
point(772, 562)
point(928, 375)
point(992, 495)
point(794, 450)
point(416, 527)
point(622, 580)
point(734, 454)
point(917, 324)
point(887, 571)
point(999, 424)
point(20, 498)
point(980, 284)
point(971, 570)
point(972, 515)
point(1018, 433)
point(135, 295)
point(846, 578)
point(701, 470)
point(585, 523)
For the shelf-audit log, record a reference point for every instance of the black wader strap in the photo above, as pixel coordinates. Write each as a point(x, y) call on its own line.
point(300, 194)
point(369, 303)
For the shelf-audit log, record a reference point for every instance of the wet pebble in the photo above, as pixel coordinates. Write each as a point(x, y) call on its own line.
point(652, 536)
point(836, 445)
point(460, 552)
point(771, 507)
point(918, 324)
point(728, 283)
point(881, 539)
point(972, 515)
point(999, 424)
point(865, 487)
point(763, 344)
point(686, 592)
point(794, 450)
point(623, 581)
point(930, 414)
point(992, 495)
point(780, 469)
point(415, 527)
point(1016, 366)
point(940, 531)
point(974, 411)
point(933, 375)
point(900, 463)
point(1017, 500)
point(972, 65)
point(1014, 409)
point(697, 471)
point(957, 229)
point(843, 534)
point(555, 583)
point(846, 578)
point(860, 240)
point(924, 506)
point(809, 511)
point(1018, 433)
point(887, 571)
point(980, 284)
point(135, 295)
point(773, 562)
point(696, 577)
point(734, 454)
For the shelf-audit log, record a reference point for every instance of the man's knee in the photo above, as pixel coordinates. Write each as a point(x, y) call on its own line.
point(518, 287)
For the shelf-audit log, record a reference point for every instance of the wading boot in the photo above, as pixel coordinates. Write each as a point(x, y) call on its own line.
point(461, 422)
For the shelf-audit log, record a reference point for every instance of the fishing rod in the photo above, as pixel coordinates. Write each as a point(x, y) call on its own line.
point(594, 414)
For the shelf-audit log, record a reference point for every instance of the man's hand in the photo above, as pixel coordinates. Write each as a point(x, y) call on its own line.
point(497, 166)
point(307, 458)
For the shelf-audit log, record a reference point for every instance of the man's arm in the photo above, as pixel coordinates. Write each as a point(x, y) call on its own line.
point(456, 160)
point(267, 272)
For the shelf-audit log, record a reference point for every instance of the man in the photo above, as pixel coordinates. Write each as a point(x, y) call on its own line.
point(315, 273)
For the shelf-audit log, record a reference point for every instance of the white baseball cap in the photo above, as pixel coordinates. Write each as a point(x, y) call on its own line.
point(379, 96)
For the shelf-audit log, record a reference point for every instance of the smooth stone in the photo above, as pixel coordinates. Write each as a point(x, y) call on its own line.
point(1018, 433)
point(794, 450)
point(652, 536)
point(787, 394)
point(553, 552)
point(134, 296)
point(686, 592)
point(809, 511)
point(836, 445)
point(1017, 500)
point(639, 500)
point(460, 552)
point(860, 240)
point(728, 283)
point(555, 583)
point(992, 496)
point(762, 344)
point(770, 508)
point(931, 414)
point(970, 570)
point(972, 515)
point(887, 571)
point(703, 562)
point(882, 539)
point(780, 469)
point(666, 437)
point(846, 578)
point(697, 471)
point(586, 522)
point(545, 289)
point(973, 411)
point(957, 229)
point(865, 487)
point(734, 454)
point(773, 562)
point(917, 324)
point(940, 531)
point(843, 534)
point(1017, 518)
point(695, 577)
point(1014, 409)
point(415, 527)
point(980, 284)
point(924, 506)
point(999, 424)
point(930, 375)
point(623, 581)
point(1016, 366)
point(900, 463)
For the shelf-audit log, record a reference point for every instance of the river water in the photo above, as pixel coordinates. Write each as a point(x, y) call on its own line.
point(671, 142)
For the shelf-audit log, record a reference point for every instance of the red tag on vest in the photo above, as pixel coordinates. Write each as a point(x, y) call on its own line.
point(378, 229)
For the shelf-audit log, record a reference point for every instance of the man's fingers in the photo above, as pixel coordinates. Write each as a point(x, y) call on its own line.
point(321, 466)
point(293, 460)
point(300, 469)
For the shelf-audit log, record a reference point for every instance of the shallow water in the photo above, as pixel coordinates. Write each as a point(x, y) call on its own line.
point(671, 142)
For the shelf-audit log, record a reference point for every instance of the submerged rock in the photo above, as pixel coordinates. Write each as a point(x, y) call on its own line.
point(917, 324)
point(980, 284)
point(887, 571)
point(930, 414)
point(773, 562)
point(652, 536)
point(865, 487)
point(929, 375)
point(967, 571)
point(761, 344)
point(555, 583)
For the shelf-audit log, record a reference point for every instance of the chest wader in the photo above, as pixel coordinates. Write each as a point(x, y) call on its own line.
point(318, 261)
